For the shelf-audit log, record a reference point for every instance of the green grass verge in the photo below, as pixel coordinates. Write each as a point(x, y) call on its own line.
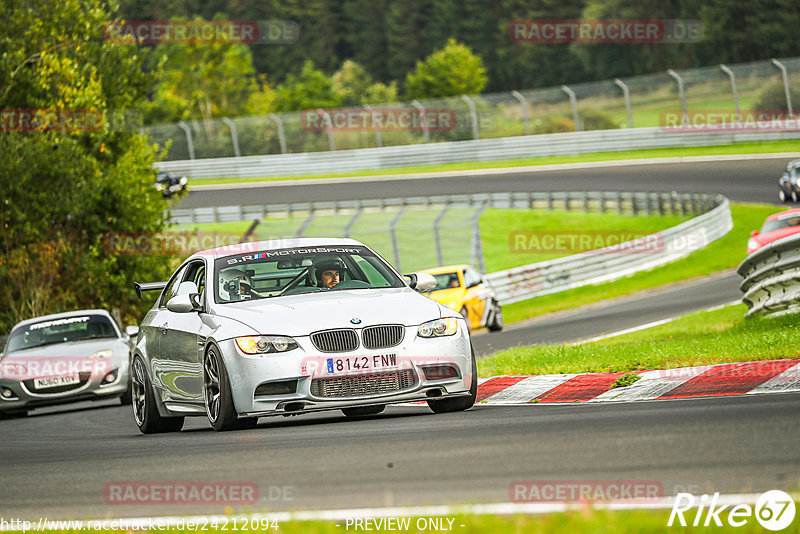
point(703, 338)
point(497, 227)
point(583, 521)
point(739, 148)
point(724, 253)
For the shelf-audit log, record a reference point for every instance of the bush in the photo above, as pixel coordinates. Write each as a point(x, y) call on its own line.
point(773, 98)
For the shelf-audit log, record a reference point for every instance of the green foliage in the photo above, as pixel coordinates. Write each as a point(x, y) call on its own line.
point(201, 81)
point(63, 191)
point(773, 98)
point(451, 71)
point(310, 90)
point(626, 380)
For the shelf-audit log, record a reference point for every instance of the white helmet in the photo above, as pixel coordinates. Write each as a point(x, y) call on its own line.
point(234, 284)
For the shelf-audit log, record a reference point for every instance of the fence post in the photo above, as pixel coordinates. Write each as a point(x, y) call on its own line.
point(234, 138)
point(785, 85)
point(574, 101)
point(281, 136)
point(682, 94)
point(423, 120)
point(378, 138)
point(185, 127)
point(627, 95)
point(306, 223)
point(395, 245)
point(437, 237)
point(732, 76)
point(352, 222)
point(525, 117)
point(473, 114)
point(477, 248)
point(331, 140)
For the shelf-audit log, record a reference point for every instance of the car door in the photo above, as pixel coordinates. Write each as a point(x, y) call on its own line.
point(154, 329)
point(184, 343)
point(475, 297)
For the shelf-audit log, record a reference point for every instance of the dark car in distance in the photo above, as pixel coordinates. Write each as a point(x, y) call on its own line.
point(789, 182)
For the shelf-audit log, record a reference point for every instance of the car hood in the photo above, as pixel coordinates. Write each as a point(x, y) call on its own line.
point(69, 349)
point(769, 237)
point(299, 315)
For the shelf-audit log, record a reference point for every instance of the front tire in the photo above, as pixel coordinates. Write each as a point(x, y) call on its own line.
point(459, 404)
point(217, 396)
point(145, 412)
point(363, 410)
point(782, 195)
point(794, 196)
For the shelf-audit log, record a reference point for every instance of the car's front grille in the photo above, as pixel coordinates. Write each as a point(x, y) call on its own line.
point(83, 378)
point(360, 385)
point(343, 340)
point(383, 336)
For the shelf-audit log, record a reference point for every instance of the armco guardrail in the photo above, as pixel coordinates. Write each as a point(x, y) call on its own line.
point(608, 264)
point(525, 146)
point(633, 203)
point(771, 275)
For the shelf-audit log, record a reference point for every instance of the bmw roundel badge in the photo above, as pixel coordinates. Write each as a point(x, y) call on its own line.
point(355, 320)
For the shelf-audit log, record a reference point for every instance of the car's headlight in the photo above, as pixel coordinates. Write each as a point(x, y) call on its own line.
point(438, 328)
point(752, 244)
point(101, 354)
point(265, 344)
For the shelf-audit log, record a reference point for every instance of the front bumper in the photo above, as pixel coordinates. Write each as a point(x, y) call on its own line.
point(304, 365)
point(26, 396)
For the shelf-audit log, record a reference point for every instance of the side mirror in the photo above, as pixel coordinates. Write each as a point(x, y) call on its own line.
point(184, 303)
point(754, 233)
point(421, 282)
point(132, 331)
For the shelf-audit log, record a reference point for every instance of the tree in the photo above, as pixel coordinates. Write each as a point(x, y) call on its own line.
point(66, 186)
point(451, 71)
point(310, 90)
point(356, 87)
point(201, 81)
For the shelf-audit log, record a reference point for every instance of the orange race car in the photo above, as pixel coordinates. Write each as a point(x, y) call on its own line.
point(462, 288)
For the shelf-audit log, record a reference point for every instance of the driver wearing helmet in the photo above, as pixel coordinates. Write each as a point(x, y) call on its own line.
point(329, 272)
point(236, 284)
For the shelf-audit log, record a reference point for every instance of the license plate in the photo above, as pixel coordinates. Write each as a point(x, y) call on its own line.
point(55, 381)
point(361, 363)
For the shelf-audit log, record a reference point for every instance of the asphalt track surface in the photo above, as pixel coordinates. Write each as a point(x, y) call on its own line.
point(58, 465)
point(57, 462)
point(742, 181)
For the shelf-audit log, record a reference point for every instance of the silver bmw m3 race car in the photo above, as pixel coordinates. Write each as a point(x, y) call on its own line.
point(66, 357)
point(292, 326)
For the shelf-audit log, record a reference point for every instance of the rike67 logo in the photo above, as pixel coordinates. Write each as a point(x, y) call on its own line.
point(774, 510)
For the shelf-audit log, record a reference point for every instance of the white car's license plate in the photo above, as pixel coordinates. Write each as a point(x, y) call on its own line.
point(361, 363)
point(55, 381)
